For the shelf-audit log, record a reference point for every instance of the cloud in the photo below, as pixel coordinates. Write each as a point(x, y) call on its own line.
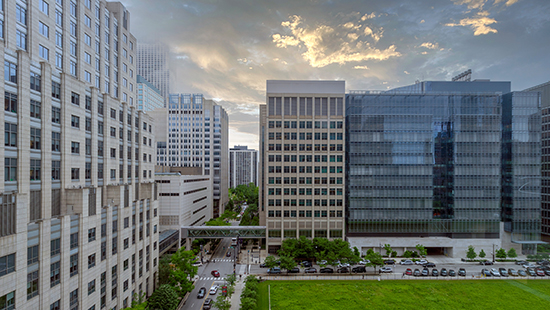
point(430, 45)
point(472, 4)
point(406, 72)
point(361, 67)
point(507, 2)
point(322, 45)
point(480, 23)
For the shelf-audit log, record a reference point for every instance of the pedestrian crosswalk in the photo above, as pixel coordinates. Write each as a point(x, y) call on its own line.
point(209, 278)
point(219, 260)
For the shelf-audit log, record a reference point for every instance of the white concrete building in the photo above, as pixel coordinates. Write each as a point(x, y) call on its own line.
point(148, 96)
point(79, 231)
point(243, 166)
point(155, 65)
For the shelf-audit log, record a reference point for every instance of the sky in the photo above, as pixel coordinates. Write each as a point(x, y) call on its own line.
point(227, 49)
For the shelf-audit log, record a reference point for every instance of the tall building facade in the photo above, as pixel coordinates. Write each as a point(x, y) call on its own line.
point(78, 226)
point(193, 132)
point(155, 65)
point(243, 166)
point(302, 141)
point(544, 90)
point(148, 96)
point(445, 165)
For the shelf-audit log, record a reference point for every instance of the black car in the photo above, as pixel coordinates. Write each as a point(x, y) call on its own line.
point(503, 272)
point(443, 272)
point(389, 262)
point(294, 270)
point(531, 272)
point(359, 269)
point(435, 273)
point(452, 273)
point(462, 272)
point(343, 270)
point(521, 262)
point(207, 304)
point(485, 272)
point(429, 265)
point(310, 270)
point(262, 265)
point(416, 273)
point(543, 262)
point(326, 270)
point(486, 262)
point(202, 292)
point(306, 264)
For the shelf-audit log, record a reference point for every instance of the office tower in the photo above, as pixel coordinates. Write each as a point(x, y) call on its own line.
point(544, 90)
point(155, 65)
point(185, 197)
point(243, 166)
point(445, 165)
point(193, 132)
point(301, 186)
point(148, 96)
point(78, 222)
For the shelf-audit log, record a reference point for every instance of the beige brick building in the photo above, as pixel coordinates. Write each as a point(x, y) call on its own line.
point(78, 206)
point(302, 159)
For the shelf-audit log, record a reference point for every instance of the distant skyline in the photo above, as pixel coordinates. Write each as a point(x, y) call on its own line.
point(227, 50)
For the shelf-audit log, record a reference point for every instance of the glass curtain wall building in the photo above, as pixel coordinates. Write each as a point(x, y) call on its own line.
point(425, 167)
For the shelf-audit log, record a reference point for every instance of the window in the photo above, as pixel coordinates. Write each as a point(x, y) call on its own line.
point(32, 255)
point(100, 171)
point(88, 146)
point(35, 81)
point(75, 173)
point(91, 261)
point(7, 264)
point(55, 246)
point(91, 286)
point(88, 21)
point(55, 305)
point(56, 170)
point(35, 170)
point(75, 121)
point(87, 39)
point(75, 147)
point(21, 39)
point(58, 60)
point(58, 39)
point(59, 18)
point(73, 300)
point(10, 102)
point(73, 9)
point(21, 14)
point(56, 115)
point(35, 138)
point(8, 301)
point(10, 72)
point(73, 269)
point(100, 108)
point(10, 134)
point(44, 29)
point(44, 7)
point(113, 174)
point(73, 68)
point(35, 109)
point(55, 274)
point(32, 284)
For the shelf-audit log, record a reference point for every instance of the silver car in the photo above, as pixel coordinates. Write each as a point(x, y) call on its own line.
point(494, 272)
point(386, 269)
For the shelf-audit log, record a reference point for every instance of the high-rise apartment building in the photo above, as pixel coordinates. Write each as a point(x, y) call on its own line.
point(155, 65)
point(148, 96)
point(243, 166)
point(302, 141)
point(193, 132)
point(544, 90)
point(445, 165)
point(78, 219)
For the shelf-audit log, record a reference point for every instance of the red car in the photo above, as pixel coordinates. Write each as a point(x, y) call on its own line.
point(215, 273)
point(409, 272)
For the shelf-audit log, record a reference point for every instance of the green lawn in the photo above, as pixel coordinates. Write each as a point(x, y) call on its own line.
point(410, 294)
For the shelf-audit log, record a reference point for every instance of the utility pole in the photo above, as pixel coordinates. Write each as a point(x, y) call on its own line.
point(493, 252)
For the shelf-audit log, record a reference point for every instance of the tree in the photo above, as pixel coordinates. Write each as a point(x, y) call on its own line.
point(163, 298)
point(501, 253)
point(183, 271)
point(219, 221)
point(422, 251)
point(287, 262)
point(270, 261)
point(164, 270)
point(222, 303)
point(375, 259)
point(356, 251)
point(388, 249)
point(512, 253)
point(248, 303)
point(482, 254)
point(471, 253)
point(231, 279)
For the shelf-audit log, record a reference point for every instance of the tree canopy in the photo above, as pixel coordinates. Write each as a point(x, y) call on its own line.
point(183, 271)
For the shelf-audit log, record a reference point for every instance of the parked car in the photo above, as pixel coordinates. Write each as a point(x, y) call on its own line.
point(202, 292)
point(522, 273)
point(323, 262)
point(215, 273)
point(531, 272)
point(359, 269)
point(214, 289)
point(306, 264)
point(486, 262)
point(485, 272)
point(429, 265)
point(364, 262)
point(326, 270)
point(512, 272)
point(503, 272)
point(274, 270)
point(443, 272)
point(343, 265)
point(528, 265)
point(539, 272)
point(462, 272)
point(294, 270)
point(421, 262)
point(407, 262)
point(262, 265)
point(435, 273)
point(494, 272)
point(416, 273)
point(389, 262)
point(547, 272)
point(310, 270)
point(521, 262)
point(386, 269)
point(197, 264)
point(343, 270)
point(207, 304)
point(452, 273)
point(425, 272)
point(409, 272)
point(543, 262)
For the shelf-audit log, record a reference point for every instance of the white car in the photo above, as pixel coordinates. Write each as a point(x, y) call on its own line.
point(494, 272)
point(197, 264)
point(323, 262)
point(407, 262)
point(214, 289)
point(386, 269)
point(343, 265)
point(528, 265)
point(364, 262)
point(421, 262)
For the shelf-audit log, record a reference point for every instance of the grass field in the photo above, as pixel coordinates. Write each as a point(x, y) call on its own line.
point(410, 294)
